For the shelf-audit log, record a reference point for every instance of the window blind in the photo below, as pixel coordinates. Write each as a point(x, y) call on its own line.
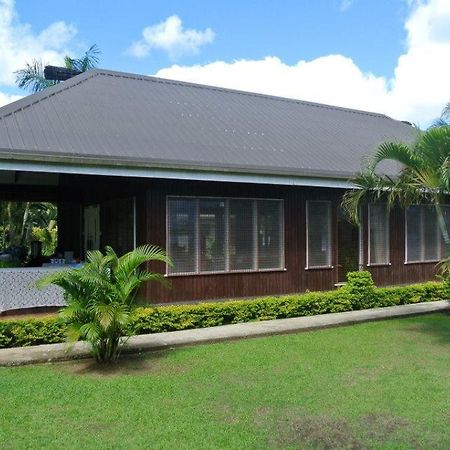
point(318, 234)
point(269, 234)
point(242, 248)
point(182, 238)
point(423, 242)
point(212, 235)
point(378, 233)
point(224, 235)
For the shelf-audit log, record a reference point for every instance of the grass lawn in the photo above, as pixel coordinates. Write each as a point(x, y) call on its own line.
point(381, 384)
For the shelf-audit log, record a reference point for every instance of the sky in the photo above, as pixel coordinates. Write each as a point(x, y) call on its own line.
point(387, 56)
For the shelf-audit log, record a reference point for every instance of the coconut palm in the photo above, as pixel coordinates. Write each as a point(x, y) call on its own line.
point(32, 76)
point(100, 296)
point(424, 177)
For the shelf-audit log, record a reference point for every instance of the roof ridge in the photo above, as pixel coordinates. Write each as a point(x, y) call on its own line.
point(37, 97)
point(236, 91)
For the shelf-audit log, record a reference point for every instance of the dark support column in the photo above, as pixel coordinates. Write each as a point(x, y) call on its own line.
point(69, 227)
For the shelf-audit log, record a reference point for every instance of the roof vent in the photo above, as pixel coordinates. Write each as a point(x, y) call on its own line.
point(55, 73)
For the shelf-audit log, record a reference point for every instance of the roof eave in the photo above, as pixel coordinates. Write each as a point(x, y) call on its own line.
point(141, 169)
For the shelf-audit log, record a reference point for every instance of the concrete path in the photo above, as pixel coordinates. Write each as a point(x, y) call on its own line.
point(161, 341)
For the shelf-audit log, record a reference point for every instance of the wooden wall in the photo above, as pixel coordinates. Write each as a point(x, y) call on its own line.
point(150, 196)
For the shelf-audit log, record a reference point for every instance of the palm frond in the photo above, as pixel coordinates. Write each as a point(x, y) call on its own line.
point(88, 61)
point(394, 151)
point(32, 77)
point(445, 115)
point(100, 295)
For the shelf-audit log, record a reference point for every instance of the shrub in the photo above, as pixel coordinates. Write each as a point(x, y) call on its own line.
point(361, 290)
point(19, 333)
point(181, 317)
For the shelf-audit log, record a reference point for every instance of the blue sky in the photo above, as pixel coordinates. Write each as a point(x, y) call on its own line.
point(367, 54)
point(292, 30)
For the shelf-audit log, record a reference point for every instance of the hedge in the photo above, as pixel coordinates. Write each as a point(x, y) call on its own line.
point(358, 293)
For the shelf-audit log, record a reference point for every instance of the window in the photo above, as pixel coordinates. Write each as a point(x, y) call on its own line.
point(224, 235)
point(318, 234)
point(269, 233)
point(378, 229)
point(211, 222)
point(423, 242)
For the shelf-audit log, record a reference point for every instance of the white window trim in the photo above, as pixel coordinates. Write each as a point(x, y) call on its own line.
point(330, 256)
point(361, 239)
point(282, 267)
point(421, 261)
point(388, 240)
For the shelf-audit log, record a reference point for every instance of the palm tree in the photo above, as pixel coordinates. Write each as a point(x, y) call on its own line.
point(445, 115)
point(100, 296)
point(424, 177)
point(32, 76)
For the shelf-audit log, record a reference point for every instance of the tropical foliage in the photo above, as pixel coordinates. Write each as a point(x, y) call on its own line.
point(22, 222)
point(32, 76)
point(424, 176)
point(100, 296)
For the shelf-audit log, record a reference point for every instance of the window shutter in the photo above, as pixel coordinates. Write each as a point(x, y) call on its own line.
point(318, 234)
point(378, 233)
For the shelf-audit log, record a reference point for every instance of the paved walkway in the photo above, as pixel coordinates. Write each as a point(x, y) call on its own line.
point(161, 341)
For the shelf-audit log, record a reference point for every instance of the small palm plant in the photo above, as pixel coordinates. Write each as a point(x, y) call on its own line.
point(100, 296)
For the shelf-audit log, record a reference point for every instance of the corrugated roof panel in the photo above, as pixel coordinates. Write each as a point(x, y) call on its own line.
point(120, 118)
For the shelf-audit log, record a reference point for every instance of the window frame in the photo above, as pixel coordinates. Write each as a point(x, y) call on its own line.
point(439, 237)
point(330, 235)
point(227, 270)
point(388, 240)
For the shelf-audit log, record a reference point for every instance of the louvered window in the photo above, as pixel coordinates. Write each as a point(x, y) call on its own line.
point(423, 241)
point(182, 240)
point(241, 243)
point(318, 226)
point(378, 233)
point(224, 235)
point(212, 235)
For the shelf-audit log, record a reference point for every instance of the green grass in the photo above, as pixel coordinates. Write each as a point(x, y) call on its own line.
point(381, 385)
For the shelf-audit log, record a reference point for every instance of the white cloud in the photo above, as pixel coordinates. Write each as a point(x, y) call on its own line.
point(171, 37)
point(345, 5)
point(417, 92)
point(7, 98)
point(20, 44)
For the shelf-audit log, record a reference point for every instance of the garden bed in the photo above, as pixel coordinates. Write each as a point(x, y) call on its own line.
point(359, 293)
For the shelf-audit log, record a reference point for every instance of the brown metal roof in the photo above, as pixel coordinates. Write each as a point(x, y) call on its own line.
point(113, 118)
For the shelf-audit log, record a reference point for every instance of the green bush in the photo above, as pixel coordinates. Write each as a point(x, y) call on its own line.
point(19, 333)
point(361, 290)
point(359, 293)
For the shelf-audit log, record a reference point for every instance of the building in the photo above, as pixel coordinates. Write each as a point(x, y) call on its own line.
point(242, 189)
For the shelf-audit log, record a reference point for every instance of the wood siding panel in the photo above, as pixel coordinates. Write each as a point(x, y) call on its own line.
point(74, 191)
